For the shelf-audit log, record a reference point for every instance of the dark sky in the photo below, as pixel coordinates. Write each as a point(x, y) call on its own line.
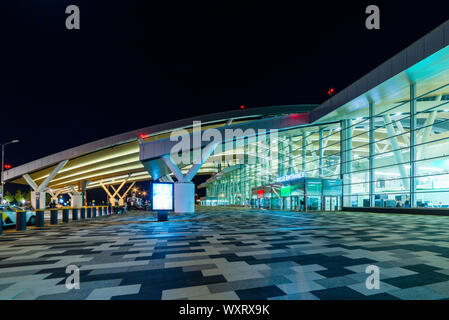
point(138, 63)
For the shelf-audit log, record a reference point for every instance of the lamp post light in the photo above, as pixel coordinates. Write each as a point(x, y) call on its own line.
point(3, 167)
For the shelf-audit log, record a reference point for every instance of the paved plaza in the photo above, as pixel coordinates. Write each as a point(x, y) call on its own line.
point(231, 253)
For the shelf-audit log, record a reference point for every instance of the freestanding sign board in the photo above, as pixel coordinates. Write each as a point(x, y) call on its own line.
point(162, 199)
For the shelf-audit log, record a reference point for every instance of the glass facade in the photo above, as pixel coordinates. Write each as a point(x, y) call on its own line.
point(396, 154)
point(269, 180)
point(386, 154)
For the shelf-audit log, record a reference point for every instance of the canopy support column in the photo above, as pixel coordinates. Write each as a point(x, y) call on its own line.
point(184, 189)
point(39, 192)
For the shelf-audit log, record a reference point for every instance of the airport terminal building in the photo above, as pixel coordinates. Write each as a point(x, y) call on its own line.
point(383, 142)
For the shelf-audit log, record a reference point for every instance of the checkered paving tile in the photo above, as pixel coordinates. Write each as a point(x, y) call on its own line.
point(231, 253)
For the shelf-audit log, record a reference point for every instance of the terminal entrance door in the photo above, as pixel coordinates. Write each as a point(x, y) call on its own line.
point(332, 203)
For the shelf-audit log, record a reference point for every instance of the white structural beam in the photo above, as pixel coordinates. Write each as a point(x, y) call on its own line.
point(327, 138)
point(396, 151)
point(76, 197)
point(119, 188)
point(385, 148)
point(126, 192)
point(55, 171)
point(39, 192)
point(205, 154)
point(111, 197)
point(105, 189)
point(402, 131)
point(173, 167)
point(425, 134)
point(315, 157)
point(184, 189)
point(54, 194)
point(30, 181)
point(73, 189)
point(116, 191)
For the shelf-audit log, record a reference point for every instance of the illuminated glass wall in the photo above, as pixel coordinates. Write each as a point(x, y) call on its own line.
point(395, 154)
point(312, 150)
point(387, 154)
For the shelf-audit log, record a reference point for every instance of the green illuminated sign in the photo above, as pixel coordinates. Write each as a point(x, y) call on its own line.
point(286, 191)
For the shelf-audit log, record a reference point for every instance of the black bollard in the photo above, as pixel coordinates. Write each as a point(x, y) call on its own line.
point(21, 221)
point(74, 214)
point(162, 216)
point(40, 218)
point(65, 215)
point(54, 216)
point(83, 213)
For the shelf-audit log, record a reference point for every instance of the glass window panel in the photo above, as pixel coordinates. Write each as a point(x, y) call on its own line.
point(356, 200)
point(435, 166)
point(360, 164)
point(432, 199)
point(359, 188)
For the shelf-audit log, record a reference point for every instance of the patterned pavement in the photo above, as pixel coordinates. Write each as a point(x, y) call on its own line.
point(231, 253)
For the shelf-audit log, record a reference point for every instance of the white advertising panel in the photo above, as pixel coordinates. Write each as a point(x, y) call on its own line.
point(162, 196)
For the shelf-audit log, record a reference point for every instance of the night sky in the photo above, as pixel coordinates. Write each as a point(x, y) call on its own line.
point(137, 63)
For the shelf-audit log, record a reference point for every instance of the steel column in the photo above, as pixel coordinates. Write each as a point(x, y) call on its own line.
point(304, 152)
point(321, 152)
point(412, 145)
point(372, 151)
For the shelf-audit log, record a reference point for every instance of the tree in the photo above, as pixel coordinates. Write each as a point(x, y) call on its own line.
point(47, 198)
point(20, 197)
point(9, 197)
point(28, 195)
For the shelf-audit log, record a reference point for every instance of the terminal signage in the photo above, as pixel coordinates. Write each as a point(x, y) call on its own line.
point(162, 196)
point(286, 191)
point(291, 177)
point(260, 194)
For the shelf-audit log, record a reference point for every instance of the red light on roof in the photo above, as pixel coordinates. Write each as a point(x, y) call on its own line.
point(8, 166)
point(331, 91)
point(143, 136)
point(242, 107)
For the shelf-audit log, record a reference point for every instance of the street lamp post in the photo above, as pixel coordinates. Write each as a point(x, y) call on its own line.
point(3, 166)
